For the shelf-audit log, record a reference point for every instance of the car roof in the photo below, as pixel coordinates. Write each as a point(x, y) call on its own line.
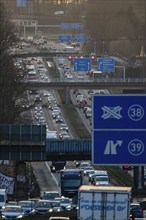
point(59, 217)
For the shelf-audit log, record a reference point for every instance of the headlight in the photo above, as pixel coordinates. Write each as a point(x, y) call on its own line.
point(68, 207)
point(20, 216)
point(50, 210)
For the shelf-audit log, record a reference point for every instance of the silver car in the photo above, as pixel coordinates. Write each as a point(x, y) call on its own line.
point(12, 212)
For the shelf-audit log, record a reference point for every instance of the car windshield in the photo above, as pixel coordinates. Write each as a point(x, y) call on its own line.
point(101, 178)
point(12, 209)
point(43, 204)
point(26, 204)
point(84, 165)
point(134, 206)
point(55, 204)
point(50, 195)
point(70, 183)
point(65, 201)
point(88, 168)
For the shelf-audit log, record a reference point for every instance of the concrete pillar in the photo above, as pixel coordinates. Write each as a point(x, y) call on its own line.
point(67, 95)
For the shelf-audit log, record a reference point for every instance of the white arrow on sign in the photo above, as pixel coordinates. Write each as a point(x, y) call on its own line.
point(111, 148)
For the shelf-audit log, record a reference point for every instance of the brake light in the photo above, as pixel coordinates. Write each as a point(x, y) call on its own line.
point(69, 57)
point(93, 57)
point(140, 210)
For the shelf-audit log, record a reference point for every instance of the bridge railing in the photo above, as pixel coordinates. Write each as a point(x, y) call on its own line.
point(106, 80)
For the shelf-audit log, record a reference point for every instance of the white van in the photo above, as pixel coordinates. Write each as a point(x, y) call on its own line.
point(3, 198)
point(51, 135)
point(99, 173)
point(101, 181)
point(69, 49)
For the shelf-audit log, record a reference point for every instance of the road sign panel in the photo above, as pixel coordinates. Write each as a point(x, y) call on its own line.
point(81, 38)
point(21, 3)
point(119, 148)
point(64, 38)
point(106, 64)
point(119, 129)
point(119, 112)
point(72, 26)
point(82, 64)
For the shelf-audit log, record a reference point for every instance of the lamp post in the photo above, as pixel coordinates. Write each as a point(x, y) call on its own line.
point(103, 48)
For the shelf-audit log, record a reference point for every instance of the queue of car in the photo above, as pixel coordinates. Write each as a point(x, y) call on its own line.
point(48, 203)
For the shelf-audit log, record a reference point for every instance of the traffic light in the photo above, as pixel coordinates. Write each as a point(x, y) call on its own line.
point(126, 167)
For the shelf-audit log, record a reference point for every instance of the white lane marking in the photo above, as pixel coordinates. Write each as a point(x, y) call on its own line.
point(55, 180)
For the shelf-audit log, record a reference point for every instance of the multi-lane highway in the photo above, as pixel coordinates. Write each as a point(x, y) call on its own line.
point(41, 113)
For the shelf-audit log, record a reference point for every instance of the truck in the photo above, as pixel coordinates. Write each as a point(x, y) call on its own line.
point(104, 202)
point(3, 198)
point(70, 181)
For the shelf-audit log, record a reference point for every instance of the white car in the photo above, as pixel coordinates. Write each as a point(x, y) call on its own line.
point(69, 76)
point(50, 195)
point(84, 165)
point(63, 127)
point(63, 134)
point(12, 212)
point(88, 170)
point(66, 203)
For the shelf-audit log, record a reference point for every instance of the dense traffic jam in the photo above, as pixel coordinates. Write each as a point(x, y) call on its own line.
point(70, 179)
point(66, 200)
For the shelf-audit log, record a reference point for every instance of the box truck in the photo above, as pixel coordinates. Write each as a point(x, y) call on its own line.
point(104, 203)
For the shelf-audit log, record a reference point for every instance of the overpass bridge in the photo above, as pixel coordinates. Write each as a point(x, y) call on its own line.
point(100, 83)
point(29, 143)
point(129, 84)
point(44, 54)
point(48, 150)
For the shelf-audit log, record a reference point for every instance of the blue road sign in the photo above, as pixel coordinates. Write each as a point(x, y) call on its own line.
point(81, 38)
point(21, 3)
point(119, 148)
point(106, 64)
point(82, 64)
point(119, 129)
point(64, 38)
point(119, 112)
point(71, 26)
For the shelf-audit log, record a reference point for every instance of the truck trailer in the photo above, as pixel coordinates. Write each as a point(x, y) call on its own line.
point(104, 203)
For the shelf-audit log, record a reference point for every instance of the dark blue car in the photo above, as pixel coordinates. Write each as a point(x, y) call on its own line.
point(136, 210)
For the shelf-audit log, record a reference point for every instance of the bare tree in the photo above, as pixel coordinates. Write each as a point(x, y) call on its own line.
point(10, 89)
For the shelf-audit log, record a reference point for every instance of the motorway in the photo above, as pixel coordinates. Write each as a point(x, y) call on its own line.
point(47, 180)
